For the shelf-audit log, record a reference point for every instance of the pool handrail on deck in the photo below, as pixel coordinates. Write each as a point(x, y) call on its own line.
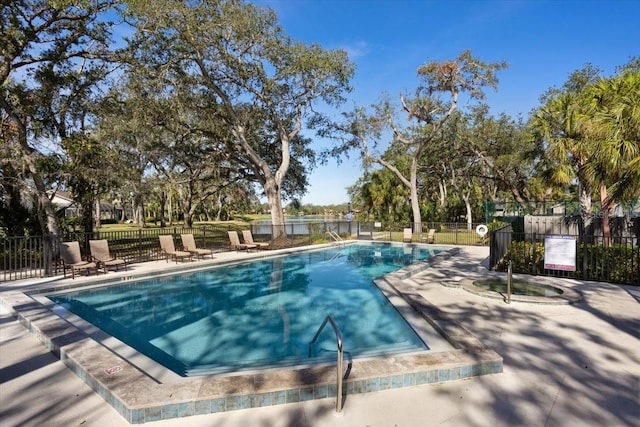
point(340, 358)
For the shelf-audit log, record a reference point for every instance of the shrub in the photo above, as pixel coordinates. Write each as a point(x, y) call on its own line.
point(524, 258)
point(617, 263)
point(495, 225)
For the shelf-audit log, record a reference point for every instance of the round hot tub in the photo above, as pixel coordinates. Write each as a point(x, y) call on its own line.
point(522, 291)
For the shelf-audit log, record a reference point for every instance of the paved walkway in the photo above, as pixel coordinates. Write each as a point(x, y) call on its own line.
point(573, 365)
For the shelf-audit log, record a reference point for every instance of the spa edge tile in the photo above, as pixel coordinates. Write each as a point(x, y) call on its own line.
point(332, 390)
point(260, 400)
point(397, 381)
point(385, 383)
point(170, 411)
point(408, 380)
point(465, 371)
point(152, 414)
point(136, 416)
point(421, 378)
point(373, 385)
point(218, 405)
point(454, 374)
point(320, 392)
point(202, 407)
point(354, 387)
point(233, 403)
point(278, 397)
point(443, 375)
point(293, 395)
point(186, 409)
point(306, 393)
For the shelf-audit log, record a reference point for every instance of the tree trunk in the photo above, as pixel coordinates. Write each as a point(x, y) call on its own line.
point(606, 204)
point(87, 216)
point(139, 211)
point(466, 197)
point(219, 207)
point(170, 209)
point(98, 223)
point(188, 219)
point(585, 207)
point(187, 212)
point(163, 204)
point(415, 208)
point(415, 202)
point(442, 186)
point(46, 212)
point(188, 206)
point(272, 191)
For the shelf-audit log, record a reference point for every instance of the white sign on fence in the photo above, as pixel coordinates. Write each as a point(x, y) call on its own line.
point(560, 253)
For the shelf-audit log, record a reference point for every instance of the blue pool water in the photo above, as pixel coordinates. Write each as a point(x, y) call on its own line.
point(259, 314)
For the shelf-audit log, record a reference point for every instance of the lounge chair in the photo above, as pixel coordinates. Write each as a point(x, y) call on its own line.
point(248, 238)
point(189, 244)
point(235, 242)
point(100, 254)
point(169, 249)
point(406, 235)
point(72, 259)
point(431, 237)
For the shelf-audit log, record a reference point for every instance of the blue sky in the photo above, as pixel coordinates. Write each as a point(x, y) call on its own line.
point(542, 41)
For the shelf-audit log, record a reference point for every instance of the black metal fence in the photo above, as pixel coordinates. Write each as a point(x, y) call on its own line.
point(38, 256)
point(500, 242)
point(444, 233)
point(618, 262)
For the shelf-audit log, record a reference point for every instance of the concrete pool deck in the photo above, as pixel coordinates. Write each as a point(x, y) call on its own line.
point(563, 365)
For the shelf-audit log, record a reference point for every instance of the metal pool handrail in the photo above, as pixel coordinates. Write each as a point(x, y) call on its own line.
point(335, 236)
point(339, 367)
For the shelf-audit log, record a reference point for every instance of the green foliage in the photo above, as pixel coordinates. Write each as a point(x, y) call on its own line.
point(433, 105)
point(524, 257)
point(617, 263)
point(236, 71)
point(496, 225)
point(590, 133)
point(69, 224)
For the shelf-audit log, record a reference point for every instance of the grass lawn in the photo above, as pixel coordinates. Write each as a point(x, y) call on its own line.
point(444, 237)
point(130, 227)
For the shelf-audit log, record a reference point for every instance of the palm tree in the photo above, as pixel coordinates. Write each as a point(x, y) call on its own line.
point(561, 126)
point(614, 128)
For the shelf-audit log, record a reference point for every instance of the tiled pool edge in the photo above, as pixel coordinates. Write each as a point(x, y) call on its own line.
point(140, 399)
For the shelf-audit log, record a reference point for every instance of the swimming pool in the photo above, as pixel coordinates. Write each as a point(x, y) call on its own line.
point(258, 314)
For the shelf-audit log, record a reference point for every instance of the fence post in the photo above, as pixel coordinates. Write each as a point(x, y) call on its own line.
point(509, 283)
point(140, 243)
point(585, 257)
point(533, 251)
point(204, 236)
